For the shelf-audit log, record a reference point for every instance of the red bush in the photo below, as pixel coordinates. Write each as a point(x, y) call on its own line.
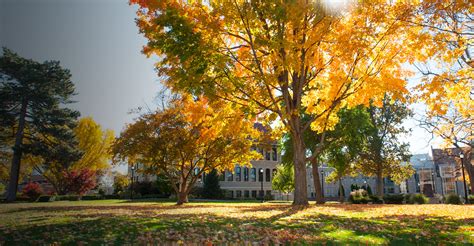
point(32, 191)
point(80, 181)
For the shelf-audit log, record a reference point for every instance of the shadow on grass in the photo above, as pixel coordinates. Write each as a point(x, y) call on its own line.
point(143, 227)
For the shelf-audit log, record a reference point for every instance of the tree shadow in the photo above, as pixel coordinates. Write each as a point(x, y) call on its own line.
point(146, 227)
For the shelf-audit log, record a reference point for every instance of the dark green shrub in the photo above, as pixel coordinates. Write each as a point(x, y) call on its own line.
point(111, 197)
point(46, 199)
point(452, 199)
point(418, 199)
point(394, 198)
point(68, 198)
point(408, 198)
point(376, 199)
point(470, 198)
point(150, 196)
point(369, 190)
point(268, 197)
point(91, 197)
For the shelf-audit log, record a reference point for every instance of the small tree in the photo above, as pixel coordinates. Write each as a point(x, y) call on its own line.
point(190, 138)
point(211, 188)
point(32, 190)
point(121, 183)
point(283, 180)
point(79, 181)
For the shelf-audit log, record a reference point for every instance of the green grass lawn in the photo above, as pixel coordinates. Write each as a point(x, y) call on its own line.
point(159, 222)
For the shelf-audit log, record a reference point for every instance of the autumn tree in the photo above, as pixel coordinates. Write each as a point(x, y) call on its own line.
point(79, 181)
point(456, 130)
point(95, 143)
point(191, 137)
point(283, 59)
point(447, 85)
point(87, 138)
point(32, 100)
point(384, 155)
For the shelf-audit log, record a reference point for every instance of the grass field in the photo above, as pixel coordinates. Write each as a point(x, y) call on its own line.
point(158, 222)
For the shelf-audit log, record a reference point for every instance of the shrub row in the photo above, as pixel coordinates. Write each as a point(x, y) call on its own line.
point(75, 198)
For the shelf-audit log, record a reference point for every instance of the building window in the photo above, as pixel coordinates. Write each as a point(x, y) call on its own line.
point(246, 194)
point(230, 176)
point(267, 175)
point(237, 174)
point(267, 155)
point(253, 175)
point(254, 194)
point(238, 194)
point(261, 193)
point(260, 175)
point(246, 174)
point(274, 154)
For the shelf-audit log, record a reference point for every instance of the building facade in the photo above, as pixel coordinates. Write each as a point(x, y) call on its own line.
point(436, 174)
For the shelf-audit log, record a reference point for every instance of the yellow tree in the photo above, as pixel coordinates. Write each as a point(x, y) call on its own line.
point(189, 138)
point(447, 87)
point(283, 58)
point(95, 144)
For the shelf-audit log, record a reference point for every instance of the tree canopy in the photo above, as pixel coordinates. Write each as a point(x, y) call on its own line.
point(284, 60)
point(191, 137)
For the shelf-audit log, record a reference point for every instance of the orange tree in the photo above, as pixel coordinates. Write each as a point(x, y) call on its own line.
point(189, 138)
point(284, 58)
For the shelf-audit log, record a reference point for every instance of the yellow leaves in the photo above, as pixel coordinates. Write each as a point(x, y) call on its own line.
point(94, 143)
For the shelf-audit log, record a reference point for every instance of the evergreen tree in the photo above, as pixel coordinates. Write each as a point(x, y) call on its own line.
point(31, 98)
point(212, 189)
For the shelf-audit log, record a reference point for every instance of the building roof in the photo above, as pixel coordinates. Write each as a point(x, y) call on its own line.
point(447, 156)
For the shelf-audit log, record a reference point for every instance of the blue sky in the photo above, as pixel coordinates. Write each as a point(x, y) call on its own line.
point(99, 42)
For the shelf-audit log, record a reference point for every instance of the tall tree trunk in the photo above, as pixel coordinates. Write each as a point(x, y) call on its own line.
point(182, 198)
point(182, 193)
point(341, 191)
point(299, 160)
point(469, 168)
point(379, 182)
point(17, 153)
point(317, 182)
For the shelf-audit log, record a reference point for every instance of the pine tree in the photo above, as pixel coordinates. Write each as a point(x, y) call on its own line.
point(212, 189)
point(31, 98)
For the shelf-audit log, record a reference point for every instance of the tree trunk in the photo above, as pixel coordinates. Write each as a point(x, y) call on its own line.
point(299, 160)
point(17, 153)
point(341, 192)
point(469, 168)
point(379, 183)
point(317, 182)
point(182, 198)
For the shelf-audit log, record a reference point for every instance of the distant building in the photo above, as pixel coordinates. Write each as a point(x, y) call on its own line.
point(436, 174)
